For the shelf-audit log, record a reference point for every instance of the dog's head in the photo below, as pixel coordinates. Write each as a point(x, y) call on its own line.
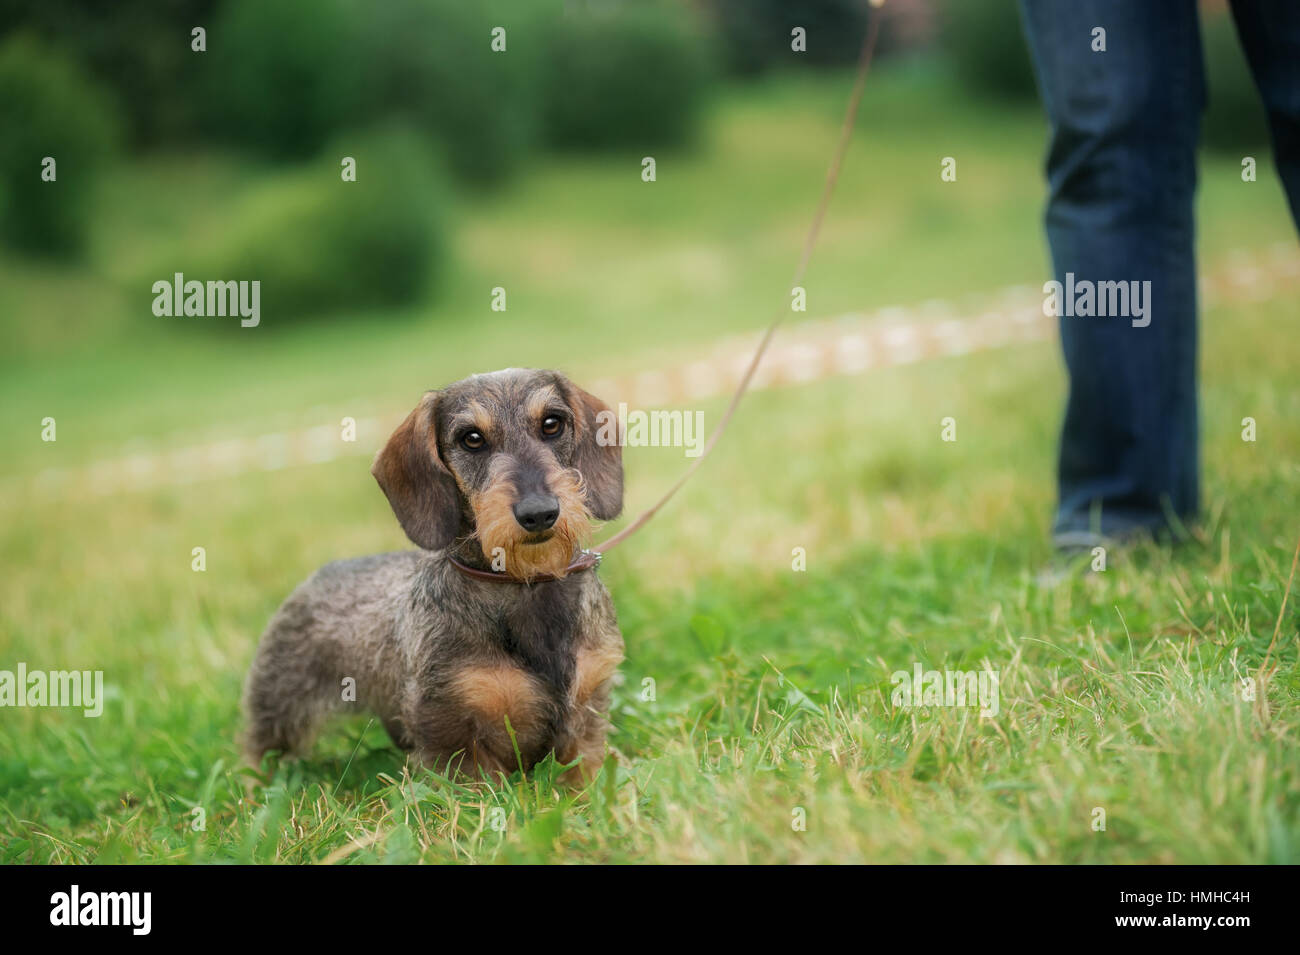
point(517, 459)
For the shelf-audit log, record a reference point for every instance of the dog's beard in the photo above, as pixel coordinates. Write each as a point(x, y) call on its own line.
point(499, 534)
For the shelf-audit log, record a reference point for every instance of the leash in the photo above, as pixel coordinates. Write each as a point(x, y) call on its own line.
point(587, 559)
point(832, 176)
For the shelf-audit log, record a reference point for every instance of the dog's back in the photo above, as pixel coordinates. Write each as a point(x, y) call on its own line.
point(338, 625)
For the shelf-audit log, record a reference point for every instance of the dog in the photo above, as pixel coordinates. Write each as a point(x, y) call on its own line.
point(495, 643)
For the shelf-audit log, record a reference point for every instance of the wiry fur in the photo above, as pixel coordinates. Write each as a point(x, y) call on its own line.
point(451, 665)
point(495, 526)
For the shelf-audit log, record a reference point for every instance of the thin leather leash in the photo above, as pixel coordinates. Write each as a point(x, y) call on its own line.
point(591, 558)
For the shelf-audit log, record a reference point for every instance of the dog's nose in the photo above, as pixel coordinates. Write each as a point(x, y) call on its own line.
point(537, 512)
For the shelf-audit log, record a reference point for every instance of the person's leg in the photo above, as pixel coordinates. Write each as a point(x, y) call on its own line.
point(1270, 34)
point(1121, 171)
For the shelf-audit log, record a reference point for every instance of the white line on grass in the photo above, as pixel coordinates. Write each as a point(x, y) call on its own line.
point(809, 351)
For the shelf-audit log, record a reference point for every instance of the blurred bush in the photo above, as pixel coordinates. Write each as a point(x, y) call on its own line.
point(319, 244)
point(754, 35)
point(624, 74)
point(985, 41)
point(49, 107)
point(280, 75)
point(602, 74)
point(592, 76)
point(430, 62)
point(1235, 120)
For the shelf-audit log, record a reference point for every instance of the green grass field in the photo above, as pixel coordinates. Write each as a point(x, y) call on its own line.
point(1120, 690)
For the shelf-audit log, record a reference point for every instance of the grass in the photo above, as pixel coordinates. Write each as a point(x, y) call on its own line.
point(1120, 690)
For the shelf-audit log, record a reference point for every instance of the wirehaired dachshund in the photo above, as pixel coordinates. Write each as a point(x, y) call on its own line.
point(494, 643)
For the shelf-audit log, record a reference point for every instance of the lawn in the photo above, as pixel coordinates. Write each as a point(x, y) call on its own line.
point(754, 723)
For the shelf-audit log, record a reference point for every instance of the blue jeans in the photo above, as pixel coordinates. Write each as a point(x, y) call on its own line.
point(1122, 176)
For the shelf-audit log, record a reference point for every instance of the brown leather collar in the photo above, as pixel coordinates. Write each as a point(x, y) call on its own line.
point(585, 560)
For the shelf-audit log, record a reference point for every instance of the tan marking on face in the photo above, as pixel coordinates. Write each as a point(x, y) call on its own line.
point(495, 526)
point(541, 401)
point(497, 692)
point(474, 415)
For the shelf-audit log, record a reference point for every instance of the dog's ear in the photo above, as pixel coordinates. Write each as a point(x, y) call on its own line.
point(421, 490)
point(598, 455)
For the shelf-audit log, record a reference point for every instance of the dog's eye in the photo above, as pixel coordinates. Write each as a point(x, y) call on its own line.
point(472, 441)
point(551, 426)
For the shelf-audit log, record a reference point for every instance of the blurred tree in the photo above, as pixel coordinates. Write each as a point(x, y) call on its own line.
point(626, 74)
point(139, 48)
point(49, 108)
point(281, 76)
point(431, 63)
point(755, 35)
